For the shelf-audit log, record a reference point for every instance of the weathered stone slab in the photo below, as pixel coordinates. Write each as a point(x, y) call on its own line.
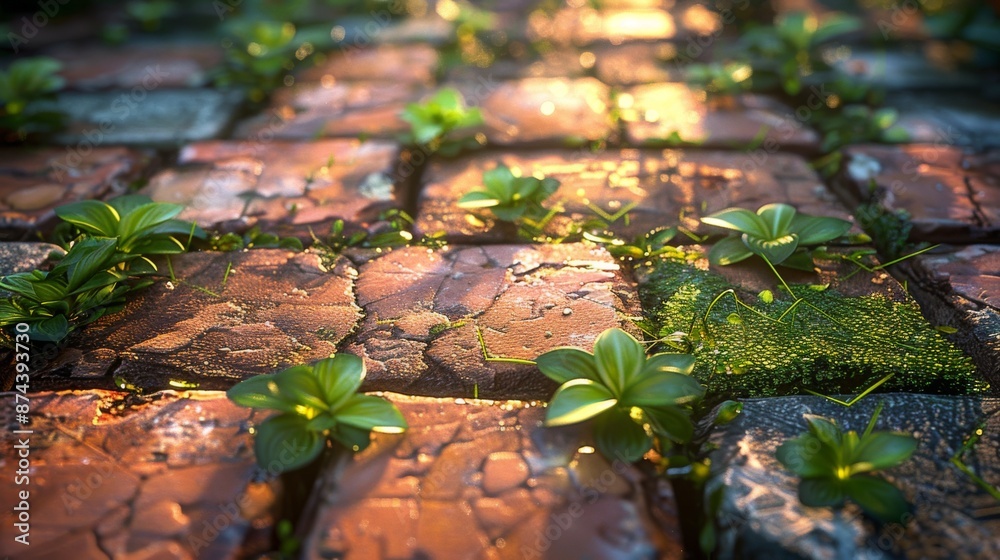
point(543, 110)
point(112, 475)
point(960, 287)
point(951, 197)
point(580, 26)
point(146, 116)
point(413, 64)
point(955, 118)
point(675, 113)
point(345, 109)
point(485, 480)
point(561, 63)
point(854, 329)
point(227, 317)
point(639, 63)
point(425, 312)
point(285, 187)
point(904, 70)
point(23, 256)
point(176, 65)
point(34, 181)
point(761, 516)
point(655, 187)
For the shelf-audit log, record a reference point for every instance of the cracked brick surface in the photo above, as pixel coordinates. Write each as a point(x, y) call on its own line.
point(655, 187)
point(484, 480)
point(950, 197)
point(959, 286)
point(285, 187)
point(334, 109)
point(33, 181)
point(761, 516)
point(423, 310)
point(229, 316)
point(665, 113)
point(115, 476)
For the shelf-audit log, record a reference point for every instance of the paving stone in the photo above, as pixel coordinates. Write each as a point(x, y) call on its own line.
point(228, 317)
point(662, 188)
point(34, 181)
point(145, 116)
point(542, 110)
point(285, 187)
point(23, 256)
point(413, 64)
point(954, 118)
point(950, 196)
point(423, 310)
point(854, 329)
point(761, 516)
point(640, 63)
point(176, 65)
point(957, 286)
point(113, 475)
point(673, 113)
point(561, 505)
point(897, 70)
point(345, 109)
point(430, 29)
point(561, 63)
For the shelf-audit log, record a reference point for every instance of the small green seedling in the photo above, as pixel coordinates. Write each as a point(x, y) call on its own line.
point(776, 233)
point(22, 85)
point(631, 397)
point(315, 404)
point(509, 196)
point(438, 122)
point(835, 466)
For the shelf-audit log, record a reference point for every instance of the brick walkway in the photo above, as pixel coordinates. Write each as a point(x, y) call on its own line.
point(156, 472)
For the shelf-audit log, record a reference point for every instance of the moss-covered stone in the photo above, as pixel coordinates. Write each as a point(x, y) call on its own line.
point(829, 343)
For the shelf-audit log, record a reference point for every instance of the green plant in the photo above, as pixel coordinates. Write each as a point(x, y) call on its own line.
point(253, 239)
point(315, 403)
point(855, 124)
point(835, 466)
point(140, 226)
point(648, 245)
point(631, 397)
point(150, 13)
point(105, 261)
point(776, 233)
point(22, 85)
point(437, 122)
point(510, 196)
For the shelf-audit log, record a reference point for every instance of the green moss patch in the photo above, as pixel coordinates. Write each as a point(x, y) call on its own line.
point(830, 343)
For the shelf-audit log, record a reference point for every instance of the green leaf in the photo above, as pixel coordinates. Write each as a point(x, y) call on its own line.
point(499, 182)
point(619, 358)
point(878, 498)
point(670, 422)
point(85, 259)
point(727, 412)
point(53, 329)
point(813, 230)
point(618, 436)
point(882, 450)
point(140, 219)
point(126, 204)
point(578, 400)
point(259, 392)
point(824, 429)
point(91, 216)
point(477, 199)
point(339, 378)
point(661, 389)
point(299, 385)
point(353, 438)
point(669, 362)
point(778, 218)
point(821, 492)
point(284, 443)
point(766, 297)
point(372, 413)
point(774, 250)
point(509, 213)
point(807, 457)
point(564, 364)
point(739, 219)
point(728, 251)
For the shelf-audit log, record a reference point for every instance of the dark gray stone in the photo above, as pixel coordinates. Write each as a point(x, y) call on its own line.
point(761, 516)
point(23, 257)
point(146, 116)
